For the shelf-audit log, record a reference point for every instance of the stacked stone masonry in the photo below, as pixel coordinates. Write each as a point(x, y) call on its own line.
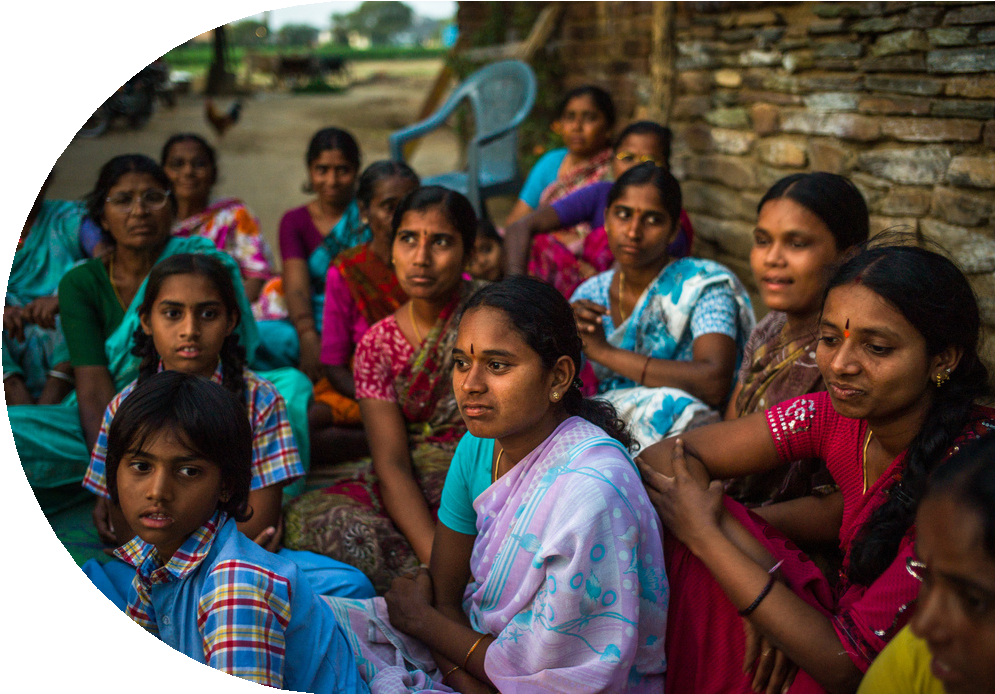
point(898, 96)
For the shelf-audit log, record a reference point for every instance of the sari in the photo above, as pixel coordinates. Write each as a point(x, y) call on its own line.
point(49, 249)
point(49, 438)
point(555, 254)
point(280, 345)
point(705, 644)
point(372, 289)
point(347, 521)
point(568, 576)
point(776, 369)
point(660, 327)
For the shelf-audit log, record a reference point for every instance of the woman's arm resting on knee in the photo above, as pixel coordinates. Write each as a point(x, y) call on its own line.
point(402, 497)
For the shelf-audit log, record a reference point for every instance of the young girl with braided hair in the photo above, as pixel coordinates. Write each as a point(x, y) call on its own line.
point(187, 324)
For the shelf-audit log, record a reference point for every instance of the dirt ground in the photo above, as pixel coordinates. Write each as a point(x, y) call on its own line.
point(261, 159)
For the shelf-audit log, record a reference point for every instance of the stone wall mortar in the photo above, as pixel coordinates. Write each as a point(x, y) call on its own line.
point(898, 96)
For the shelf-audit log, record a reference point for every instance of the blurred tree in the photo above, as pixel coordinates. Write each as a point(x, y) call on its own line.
point(297, 35)
point(380, 21)
point(248, 33)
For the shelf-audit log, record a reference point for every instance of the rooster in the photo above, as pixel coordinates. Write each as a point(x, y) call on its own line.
point(221, 121)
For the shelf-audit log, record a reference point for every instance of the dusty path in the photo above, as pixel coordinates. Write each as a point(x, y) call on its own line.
point(261, 159)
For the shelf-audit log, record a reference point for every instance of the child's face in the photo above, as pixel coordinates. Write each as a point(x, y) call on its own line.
point(188, 324)
point(487, 261)
point(166, 491)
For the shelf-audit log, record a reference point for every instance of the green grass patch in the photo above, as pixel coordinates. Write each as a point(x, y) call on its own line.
point(198, 57)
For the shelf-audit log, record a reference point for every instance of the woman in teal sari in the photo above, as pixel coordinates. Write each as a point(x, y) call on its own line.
point(48, 247)
point(98, 303)
point(664, 335)
point(310, 238)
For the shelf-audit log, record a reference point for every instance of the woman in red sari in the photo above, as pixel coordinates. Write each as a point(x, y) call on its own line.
point(382, 519)
point(898, 351)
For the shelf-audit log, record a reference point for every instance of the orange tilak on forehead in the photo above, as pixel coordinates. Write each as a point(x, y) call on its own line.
point(846, 328)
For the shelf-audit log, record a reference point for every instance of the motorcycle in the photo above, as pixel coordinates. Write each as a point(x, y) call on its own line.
point(134, 100)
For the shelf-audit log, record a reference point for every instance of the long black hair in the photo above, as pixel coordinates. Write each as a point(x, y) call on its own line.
point(936, 299)
point(544, 319)
point(205, 417)
point(232, 353)
point(969, 478)
point(831, 198)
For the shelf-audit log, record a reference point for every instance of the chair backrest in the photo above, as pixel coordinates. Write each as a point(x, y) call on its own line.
point(500, 93)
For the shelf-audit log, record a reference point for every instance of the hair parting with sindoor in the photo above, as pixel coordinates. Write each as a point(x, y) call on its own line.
point(544, 319)
point(232, 353)
point(935, 298)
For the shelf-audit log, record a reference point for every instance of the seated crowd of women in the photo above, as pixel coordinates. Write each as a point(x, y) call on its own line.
point(606, 479)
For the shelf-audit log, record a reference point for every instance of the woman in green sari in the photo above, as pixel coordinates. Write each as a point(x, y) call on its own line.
point(48, 247)
point(98, 303)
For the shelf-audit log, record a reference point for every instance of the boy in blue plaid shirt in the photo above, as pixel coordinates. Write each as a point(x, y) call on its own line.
point(179, 464)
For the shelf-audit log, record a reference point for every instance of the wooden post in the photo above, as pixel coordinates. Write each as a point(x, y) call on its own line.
point(662, 62)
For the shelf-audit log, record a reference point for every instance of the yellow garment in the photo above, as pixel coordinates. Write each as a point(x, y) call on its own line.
point(901, 668)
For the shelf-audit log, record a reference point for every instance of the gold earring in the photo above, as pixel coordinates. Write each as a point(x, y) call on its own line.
point(942, 377)
point(556, 396)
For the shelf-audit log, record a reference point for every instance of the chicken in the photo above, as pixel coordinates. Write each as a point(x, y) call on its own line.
point(221, 121)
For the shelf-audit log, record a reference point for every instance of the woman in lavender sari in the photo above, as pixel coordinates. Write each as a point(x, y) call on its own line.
point(547, 570)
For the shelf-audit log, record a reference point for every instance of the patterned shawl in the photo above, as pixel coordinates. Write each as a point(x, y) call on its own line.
point(372, 283)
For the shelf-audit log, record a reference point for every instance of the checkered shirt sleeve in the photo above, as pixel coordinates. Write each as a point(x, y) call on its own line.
point(243, 616)
point(95, 479)
point(275, 458)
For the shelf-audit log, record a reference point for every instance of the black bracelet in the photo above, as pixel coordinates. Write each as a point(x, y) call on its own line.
point(747, 611)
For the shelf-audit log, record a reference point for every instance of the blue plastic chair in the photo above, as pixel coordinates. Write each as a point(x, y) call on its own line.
point(502, 94)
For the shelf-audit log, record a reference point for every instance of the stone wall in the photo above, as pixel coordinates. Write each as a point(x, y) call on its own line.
point(898, 96)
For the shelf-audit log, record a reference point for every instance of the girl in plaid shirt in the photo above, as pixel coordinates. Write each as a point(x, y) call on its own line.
point(178, 461)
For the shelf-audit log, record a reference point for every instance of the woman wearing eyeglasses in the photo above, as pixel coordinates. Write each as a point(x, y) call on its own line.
point(565, 263)
point(898, 351)
point(133, 205)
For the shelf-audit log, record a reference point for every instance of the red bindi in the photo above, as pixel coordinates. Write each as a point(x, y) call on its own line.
point(846, 328)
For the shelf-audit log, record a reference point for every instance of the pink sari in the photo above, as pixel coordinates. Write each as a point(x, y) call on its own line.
point(570, 580)
point(705, 643)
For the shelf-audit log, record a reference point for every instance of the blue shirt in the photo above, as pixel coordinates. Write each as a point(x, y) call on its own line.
point(469, 475)
point(224, 600)
point(543, 172)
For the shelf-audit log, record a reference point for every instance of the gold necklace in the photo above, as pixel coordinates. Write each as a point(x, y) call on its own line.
point(110, 276)
point(621, 289)
point(494, 470)
point(867, 441)
point(414, 323)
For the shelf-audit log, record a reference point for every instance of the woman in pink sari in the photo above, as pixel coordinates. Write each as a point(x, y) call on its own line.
point(898, 351)
point(547, 568)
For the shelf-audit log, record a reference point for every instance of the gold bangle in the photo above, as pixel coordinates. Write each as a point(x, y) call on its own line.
point(455, 668)
point(472, 649)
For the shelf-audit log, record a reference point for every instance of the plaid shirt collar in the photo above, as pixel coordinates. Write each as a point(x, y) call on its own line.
point(216, 377)
point(188, 557)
